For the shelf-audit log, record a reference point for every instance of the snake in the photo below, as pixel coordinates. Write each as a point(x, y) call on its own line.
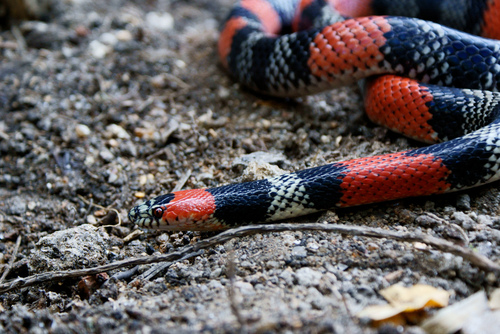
point(426, 80)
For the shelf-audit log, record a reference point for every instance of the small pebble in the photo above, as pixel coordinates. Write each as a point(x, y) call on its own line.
point(82, 31)
point(180, 63)
point(212, 133)
point(31, 205)
point(108, 39)
point(287, 276)
point(463, 202)
point(113, 177)
point(113, 143)
point(272, 264)
point(82, 131)
point(158, 81)
point(123, 35)
point(89, 160)
point(223, 92)
point(143, 179)
point(299, 251)
point(163, 238)
point(312, 246)
point(106, 155)
point(98, 50)
point(114, 130)
point(265, 123)
point(139, 194)
point(160, 21)
point(326, 139)
point(91, 220)
point(148, 133)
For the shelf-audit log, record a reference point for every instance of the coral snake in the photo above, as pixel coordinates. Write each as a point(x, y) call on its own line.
point(425, 80)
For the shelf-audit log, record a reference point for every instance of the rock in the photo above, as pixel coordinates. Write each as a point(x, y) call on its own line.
point(16, 205)
point(260, 157)
point(308, 277)
point(485, 220)
point(79, 247)
point(287, 276)
point(463, 202)
point(463, 220)
point(299, 251)
point(259, 171)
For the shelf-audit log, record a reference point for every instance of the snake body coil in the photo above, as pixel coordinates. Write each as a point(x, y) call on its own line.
point(412, 65)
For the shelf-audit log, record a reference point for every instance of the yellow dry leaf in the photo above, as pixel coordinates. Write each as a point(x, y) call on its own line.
point(405, 304)
point(415, 297)
point(380, 314)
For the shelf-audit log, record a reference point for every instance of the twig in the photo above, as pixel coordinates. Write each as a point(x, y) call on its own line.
point(181, 83)
point(475, 259)
point(231, 273)
point(152, 272)
point(16, 265)
point(91, 204)
point(182, 180)
point(119, 219)
point(21, 42)
point(12, 260)
point(124, 275)
point(65, 274)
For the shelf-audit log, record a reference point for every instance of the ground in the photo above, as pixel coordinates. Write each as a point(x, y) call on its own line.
point(110, 101)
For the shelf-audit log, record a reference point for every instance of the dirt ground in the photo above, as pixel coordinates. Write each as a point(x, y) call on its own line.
point(110, 99)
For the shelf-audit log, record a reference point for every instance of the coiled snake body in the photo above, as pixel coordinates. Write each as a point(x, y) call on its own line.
point(412, 65)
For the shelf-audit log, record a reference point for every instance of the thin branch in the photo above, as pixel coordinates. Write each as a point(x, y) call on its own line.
point(21, 42)
point(12, 260)
point(155, 270)
point(182, 181)
point(475, 259)
point(231, 273)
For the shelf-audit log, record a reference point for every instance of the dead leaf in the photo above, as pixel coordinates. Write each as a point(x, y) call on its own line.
point(406, 305)
point(416, 297)
point(454, 317)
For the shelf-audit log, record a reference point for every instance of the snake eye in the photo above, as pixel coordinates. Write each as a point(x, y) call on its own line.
point(158, 213)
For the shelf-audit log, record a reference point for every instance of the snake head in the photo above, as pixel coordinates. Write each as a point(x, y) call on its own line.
point(177, 211)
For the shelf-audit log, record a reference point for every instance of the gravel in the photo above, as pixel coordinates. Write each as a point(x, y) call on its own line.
point(108, 102)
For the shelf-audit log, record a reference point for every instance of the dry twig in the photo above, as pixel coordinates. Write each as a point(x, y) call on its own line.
point(155, 270)
point(12, 260)
point(231, 273)
point(475, 259)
